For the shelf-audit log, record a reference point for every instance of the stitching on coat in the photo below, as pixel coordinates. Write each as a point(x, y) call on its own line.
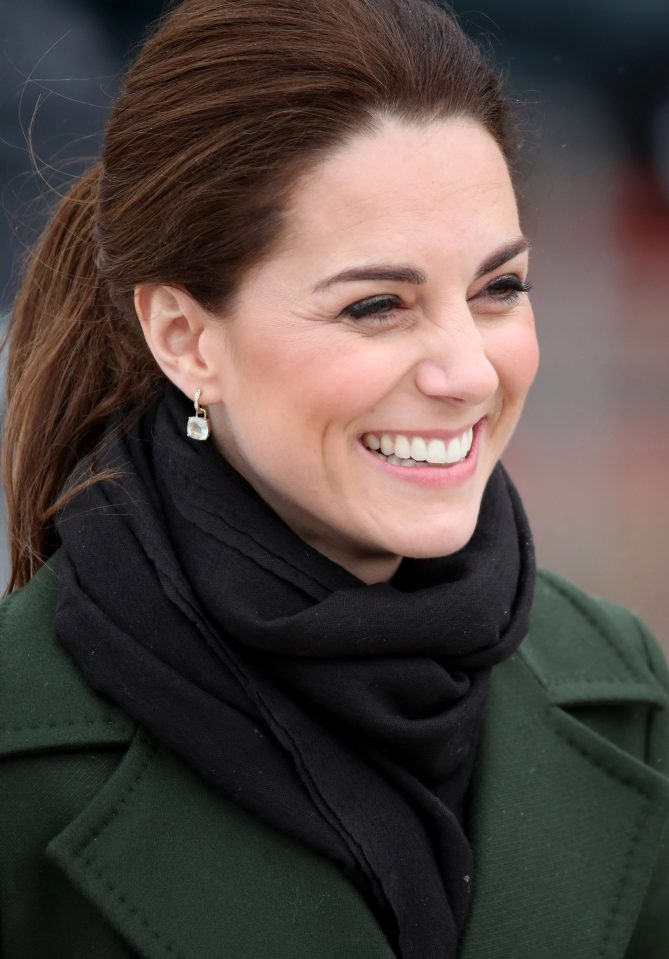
point(132, 910)
point(597, 762)
point(588, 681)
point(585, 612)
point(624, 872)
point(96, 831)
point(89, 865)
point(649, 759)
point(642, 821)
point(64, 724)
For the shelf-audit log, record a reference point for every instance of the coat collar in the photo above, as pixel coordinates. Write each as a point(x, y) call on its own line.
point(179, 870)
point(565, 828)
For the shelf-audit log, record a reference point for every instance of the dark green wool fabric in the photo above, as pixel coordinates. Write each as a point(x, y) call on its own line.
point(111, 847)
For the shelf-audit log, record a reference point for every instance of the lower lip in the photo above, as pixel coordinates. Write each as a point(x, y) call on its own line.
point(451, 474)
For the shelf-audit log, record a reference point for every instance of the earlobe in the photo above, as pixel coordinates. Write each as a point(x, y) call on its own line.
point(173, 324)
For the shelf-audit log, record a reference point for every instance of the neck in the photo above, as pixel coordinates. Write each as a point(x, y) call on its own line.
point(368, 567)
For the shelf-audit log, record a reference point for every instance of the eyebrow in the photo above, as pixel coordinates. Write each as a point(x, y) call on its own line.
point(411, 274)
point(502, 256)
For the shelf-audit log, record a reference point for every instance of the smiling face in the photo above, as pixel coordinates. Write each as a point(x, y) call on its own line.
point(392, 315)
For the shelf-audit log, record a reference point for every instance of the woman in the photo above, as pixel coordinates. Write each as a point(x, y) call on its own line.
point(273, 692)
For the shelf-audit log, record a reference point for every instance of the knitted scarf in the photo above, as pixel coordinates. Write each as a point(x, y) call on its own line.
point(344, 714)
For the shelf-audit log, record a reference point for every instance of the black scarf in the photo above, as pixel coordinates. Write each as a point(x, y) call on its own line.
point(343, 714)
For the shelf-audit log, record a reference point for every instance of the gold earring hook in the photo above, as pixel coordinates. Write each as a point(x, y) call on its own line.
point(198, 425)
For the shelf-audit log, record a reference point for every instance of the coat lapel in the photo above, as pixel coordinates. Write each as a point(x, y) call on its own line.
point(565, 824)
point(179, 871)
point(565, 829)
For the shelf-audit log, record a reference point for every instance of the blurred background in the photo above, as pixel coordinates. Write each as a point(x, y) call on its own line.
point(591, 457)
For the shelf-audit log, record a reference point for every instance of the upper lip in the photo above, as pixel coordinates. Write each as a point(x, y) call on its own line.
point(425, 434)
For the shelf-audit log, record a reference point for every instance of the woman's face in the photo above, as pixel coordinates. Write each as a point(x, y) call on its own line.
point(392, 313)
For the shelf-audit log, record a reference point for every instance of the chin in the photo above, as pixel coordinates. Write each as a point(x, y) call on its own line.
point(444, 541)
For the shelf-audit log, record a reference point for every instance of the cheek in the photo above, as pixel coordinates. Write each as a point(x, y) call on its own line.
point(515, 355)
point(315, 383)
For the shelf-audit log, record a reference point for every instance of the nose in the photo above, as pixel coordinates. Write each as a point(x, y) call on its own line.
point(456, 366)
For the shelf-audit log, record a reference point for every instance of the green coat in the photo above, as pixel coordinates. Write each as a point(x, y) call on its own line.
point(111, 847)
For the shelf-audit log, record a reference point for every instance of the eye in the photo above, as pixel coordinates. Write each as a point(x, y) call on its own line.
point(505, 289)
point(377, 307)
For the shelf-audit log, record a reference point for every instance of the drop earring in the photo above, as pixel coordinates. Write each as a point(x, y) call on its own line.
point(198, 425)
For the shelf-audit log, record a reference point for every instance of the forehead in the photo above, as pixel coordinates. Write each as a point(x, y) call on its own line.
point(450, 175)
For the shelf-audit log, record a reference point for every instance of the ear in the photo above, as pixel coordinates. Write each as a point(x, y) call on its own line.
point(174, 325)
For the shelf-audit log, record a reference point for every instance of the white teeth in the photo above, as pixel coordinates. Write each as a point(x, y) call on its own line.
point(436, 451)
point(402, 451)
point(418, 449)
point(402, 447)
point(387, 445)
point(454, 450)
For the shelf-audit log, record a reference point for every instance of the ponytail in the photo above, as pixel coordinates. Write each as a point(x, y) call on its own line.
point(73, 360)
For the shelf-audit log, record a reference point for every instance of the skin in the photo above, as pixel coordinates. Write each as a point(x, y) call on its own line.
point(292, 382)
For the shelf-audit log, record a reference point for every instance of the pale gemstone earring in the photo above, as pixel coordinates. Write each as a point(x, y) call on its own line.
point(198, 425)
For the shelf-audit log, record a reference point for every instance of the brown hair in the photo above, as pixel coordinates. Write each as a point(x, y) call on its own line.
point(226, 104)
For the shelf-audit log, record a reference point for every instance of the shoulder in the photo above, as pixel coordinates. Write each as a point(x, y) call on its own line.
point(60, 743)
point(572, 781)
point(44, 702)
point(600, 662)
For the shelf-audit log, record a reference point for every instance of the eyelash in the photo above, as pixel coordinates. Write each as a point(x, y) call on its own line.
point(504, 289)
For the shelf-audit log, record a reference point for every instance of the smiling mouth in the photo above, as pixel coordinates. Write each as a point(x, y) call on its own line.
point(401, 450)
